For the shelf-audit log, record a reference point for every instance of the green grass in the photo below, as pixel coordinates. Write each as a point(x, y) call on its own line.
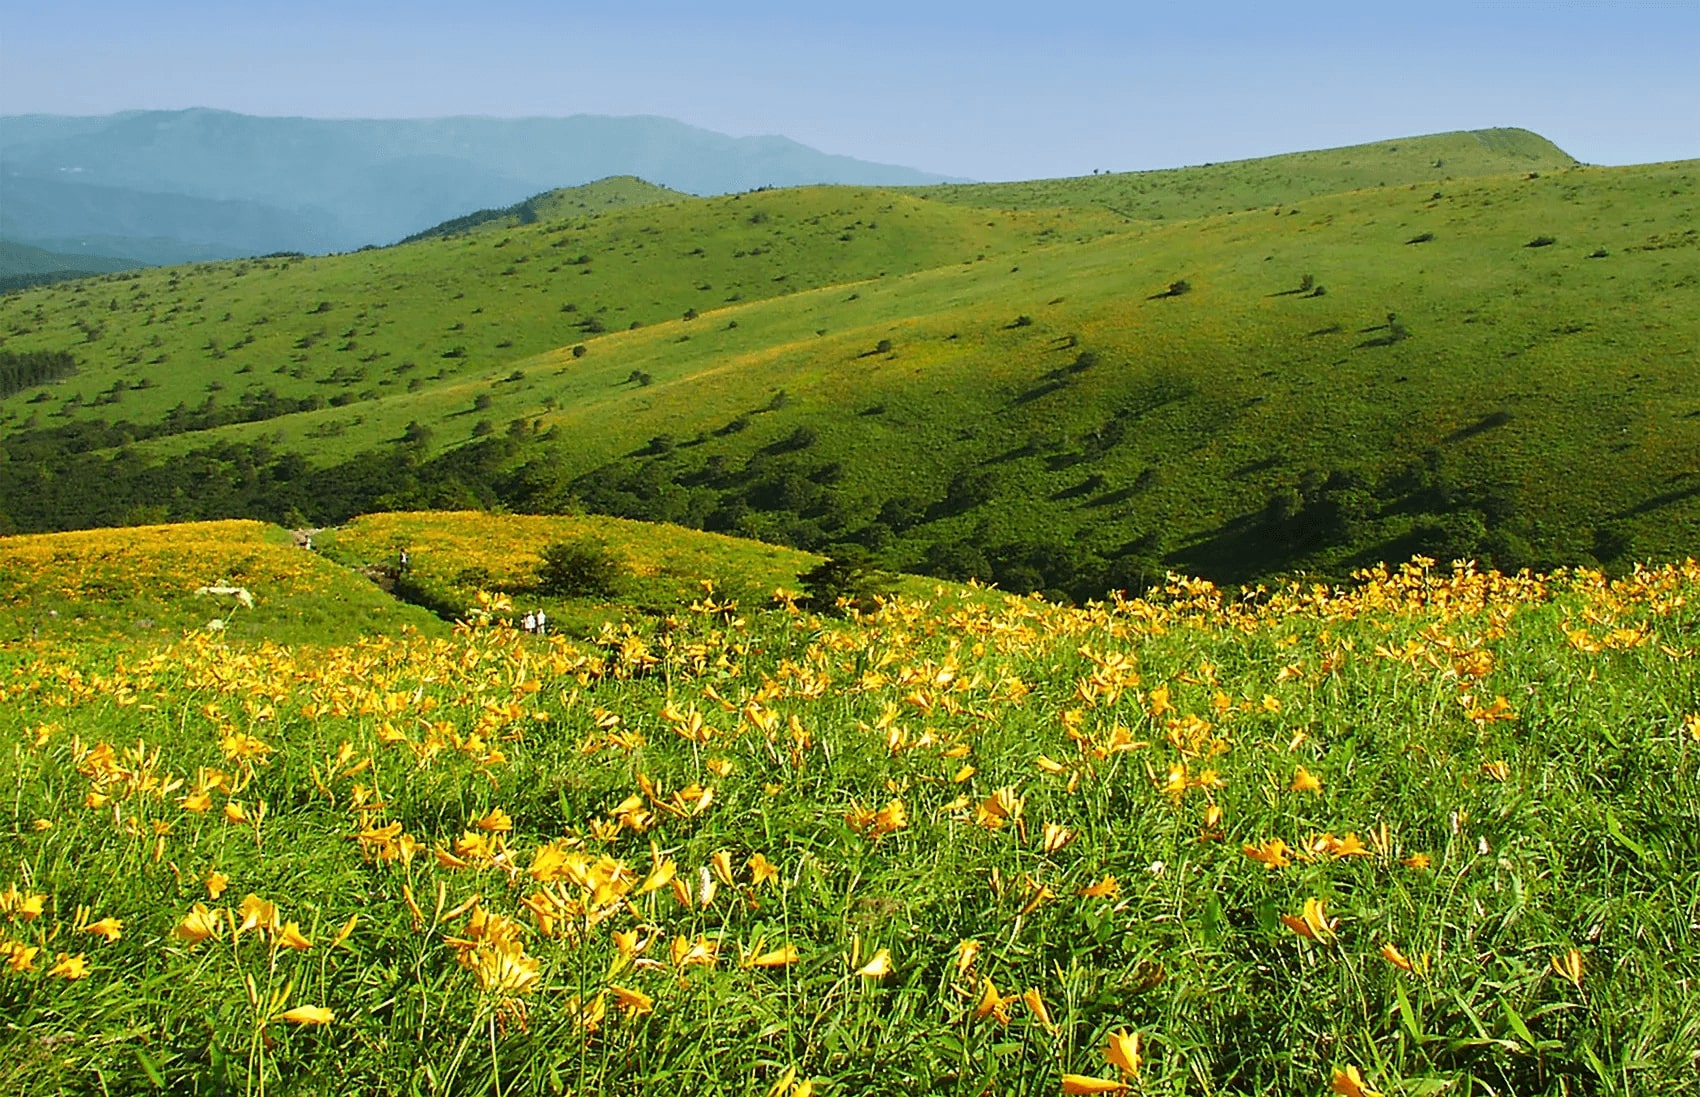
point(1567, 824)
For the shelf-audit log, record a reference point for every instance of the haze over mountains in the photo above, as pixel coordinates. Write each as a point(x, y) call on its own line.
point(177, 186)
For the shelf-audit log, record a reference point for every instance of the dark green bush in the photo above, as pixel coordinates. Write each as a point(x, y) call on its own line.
point(579, 569)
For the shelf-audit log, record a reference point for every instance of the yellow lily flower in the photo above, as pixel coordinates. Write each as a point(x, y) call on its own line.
point(308, 1015)
point(1305, 781)
point(1569, 967)
point(1349, 1083)
point(199, 924)
point(1314, 923)
point(635, 1002)
point(1123, 1052)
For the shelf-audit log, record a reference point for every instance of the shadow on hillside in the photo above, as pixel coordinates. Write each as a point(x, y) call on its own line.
point(1481, 426)
point(1663, 499)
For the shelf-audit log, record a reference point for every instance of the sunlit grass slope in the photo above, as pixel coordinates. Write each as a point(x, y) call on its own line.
point(616, 192)
point(1276, 180)
point(1431, 834)
point(250, 339)
point(658, 570)
point(151, 581)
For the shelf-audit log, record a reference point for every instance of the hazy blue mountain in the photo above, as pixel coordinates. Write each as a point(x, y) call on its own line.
point(245, 184)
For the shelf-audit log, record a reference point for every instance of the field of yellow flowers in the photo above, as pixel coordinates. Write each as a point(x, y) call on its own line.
point(1438, 832)
point(244, 577)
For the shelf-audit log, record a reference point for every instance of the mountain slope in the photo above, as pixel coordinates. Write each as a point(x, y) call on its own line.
point(1498, 367)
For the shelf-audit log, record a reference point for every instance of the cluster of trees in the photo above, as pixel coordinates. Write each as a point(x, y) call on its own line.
point(84, 435)
point(27, 369)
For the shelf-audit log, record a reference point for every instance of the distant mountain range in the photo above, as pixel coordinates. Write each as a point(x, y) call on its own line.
point(176, 186)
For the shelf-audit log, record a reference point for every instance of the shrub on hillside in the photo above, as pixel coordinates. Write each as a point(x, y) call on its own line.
point(579, 569)
point(846, 581)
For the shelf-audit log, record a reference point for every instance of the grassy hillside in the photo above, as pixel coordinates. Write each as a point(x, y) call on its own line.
point(1276, 180)
point(601, 196)
point(254, 338)
point(153, 582)
point(1429, 834)
point(625, 569)
point(21, 259)
point(1496, 367)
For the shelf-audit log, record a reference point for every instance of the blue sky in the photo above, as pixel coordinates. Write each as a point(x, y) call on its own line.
point(990, 90)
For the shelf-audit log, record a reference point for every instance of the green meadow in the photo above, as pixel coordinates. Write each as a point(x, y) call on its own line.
point(1429, 833)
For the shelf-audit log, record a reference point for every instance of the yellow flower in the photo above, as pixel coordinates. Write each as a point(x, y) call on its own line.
point(109, 928)
point(496, 821)
point(504, 968)
point(347, 928)
point(1036, 1006)
point(70, 967)
point(1123, 1052)
point(1349, 1083)
point(1055, 837)
point(992, 1004)
point(686, 952)
point(200, 923)
point(1272, 854)
point(890, 818)
point(1416, 861)
point(1080, 1084)
point(1569, 967)
point(761, 870)
point(308, 1015)
point(257, 913)
point(720, 863)
point(216, 882)
point(234, 812)
point(966, 951)
point(1107, 888)
point(42, 824)
point(783, 956)
point(634, 1002)
point(19, 956)
point(1499, 770)
point(878, 967)
point(1314, 923)
point(1305, 781)
point(197, 802)
point(1392, 955)
point(290, 937)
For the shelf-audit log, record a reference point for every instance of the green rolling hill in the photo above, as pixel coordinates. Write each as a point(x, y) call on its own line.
point(1464, 345)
